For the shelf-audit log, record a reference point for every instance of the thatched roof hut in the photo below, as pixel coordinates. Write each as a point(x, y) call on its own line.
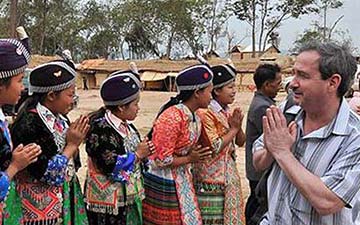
point(159, 74)
point(40, 59)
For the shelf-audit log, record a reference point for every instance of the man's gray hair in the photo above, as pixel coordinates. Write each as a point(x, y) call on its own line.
point(334, 59)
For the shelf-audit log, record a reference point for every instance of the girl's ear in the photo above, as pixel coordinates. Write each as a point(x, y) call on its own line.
point(51, 96)
point(197, 93)
point(121, 108)
point(216, 91)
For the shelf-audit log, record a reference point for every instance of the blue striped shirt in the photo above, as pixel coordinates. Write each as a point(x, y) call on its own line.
point(332, 153)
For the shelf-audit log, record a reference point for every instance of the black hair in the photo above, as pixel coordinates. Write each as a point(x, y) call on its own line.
point(29, 102)
point(102, 110)
point(213, 95)
point(5, 82)
point(265, 72)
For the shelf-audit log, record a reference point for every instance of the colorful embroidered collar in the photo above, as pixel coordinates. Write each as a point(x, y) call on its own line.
point(52, 122)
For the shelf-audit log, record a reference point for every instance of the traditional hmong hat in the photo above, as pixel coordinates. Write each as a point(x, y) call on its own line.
point(120, 88)
point(135, 76)
point(194, 77)
point(14, 55)
point(223, 75)
point(52, 76)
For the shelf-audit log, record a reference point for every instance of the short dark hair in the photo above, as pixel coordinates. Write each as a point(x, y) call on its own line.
point(5, 82)
point(265, 72)
point(334, 59)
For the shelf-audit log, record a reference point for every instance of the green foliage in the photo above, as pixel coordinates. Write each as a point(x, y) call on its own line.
point(321, 30)
point(146, 28)
point(135, 28)
point(265, 16)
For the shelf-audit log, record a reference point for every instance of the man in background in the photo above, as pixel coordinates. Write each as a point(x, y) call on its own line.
point(267, 79)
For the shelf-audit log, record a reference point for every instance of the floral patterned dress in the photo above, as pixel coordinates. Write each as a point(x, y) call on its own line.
point(47, 191)
point(170, 194)
point(114, 183)
point(217, 181)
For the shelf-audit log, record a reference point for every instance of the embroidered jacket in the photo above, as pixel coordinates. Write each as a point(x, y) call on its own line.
point(40, 185)
point(114, 178)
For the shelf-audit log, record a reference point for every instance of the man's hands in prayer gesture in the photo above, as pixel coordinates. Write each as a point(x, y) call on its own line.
point(278, 136)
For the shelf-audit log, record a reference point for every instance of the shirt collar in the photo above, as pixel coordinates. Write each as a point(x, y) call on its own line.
point(340, 127)
point(48, 117)
point(337, 126)
point(2, 115)
point(116, 121)
point(123, 128)
point(215, 105)
point(267, 98)
point(192, 116)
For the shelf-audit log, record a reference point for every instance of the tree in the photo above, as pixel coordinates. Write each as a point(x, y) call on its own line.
point(218, 14)
point(194, 28)
point(315, 33)
point(13, 18)
point(96, 28)
point(324, 32)
point(267, 15)
point(53, 23)
point(3, 19)
point(324, 6)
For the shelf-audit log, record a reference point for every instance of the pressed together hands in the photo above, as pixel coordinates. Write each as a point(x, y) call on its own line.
point(278, 136)
point(235, 119)
point(22, 156)
point(199, 153)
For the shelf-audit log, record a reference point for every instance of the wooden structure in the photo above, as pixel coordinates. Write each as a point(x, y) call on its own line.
point(239, 52)
point(160, 74)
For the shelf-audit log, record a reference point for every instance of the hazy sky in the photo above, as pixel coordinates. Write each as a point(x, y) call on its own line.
point(292, 28)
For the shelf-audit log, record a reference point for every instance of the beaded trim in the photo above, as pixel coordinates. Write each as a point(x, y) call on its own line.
point(122, 101)
point(197, 86)
point(59, 87)
point(117, 74)
point(228, 81)
point(25, 53)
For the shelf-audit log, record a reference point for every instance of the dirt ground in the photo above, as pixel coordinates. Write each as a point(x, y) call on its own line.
point(150, 102)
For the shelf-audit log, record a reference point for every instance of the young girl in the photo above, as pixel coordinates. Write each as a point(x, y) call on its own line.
point(114, 184)
point(170, 195)
point(14, 57)
point(49, 189)
point(217, 181)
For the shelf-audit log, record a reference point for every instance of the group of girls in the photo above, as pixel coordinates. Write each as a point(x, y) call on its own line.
point(182, 173)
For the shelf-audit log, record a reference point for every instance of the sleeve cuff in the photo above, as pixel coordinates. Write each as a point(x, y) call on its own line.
point(217, 144)
point(258, 144)
point(4, 186)
point(56, 170)
point(124, 167)
point(342, 188)
point(168, 160)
